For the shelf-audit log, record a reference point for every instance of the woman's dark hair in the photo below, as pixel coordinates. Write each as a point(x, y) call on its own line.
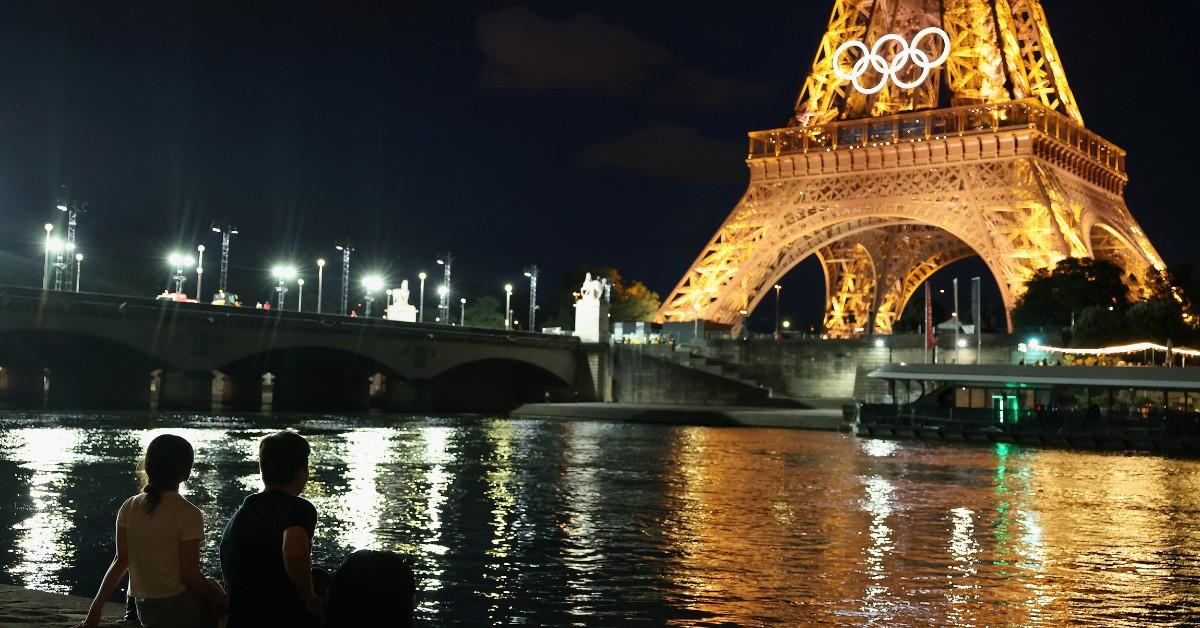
point(281, 456)
point(168, 463)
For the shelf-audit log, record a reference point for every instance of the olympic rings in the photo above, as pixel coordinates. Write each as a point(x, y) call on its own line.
point(871, 59)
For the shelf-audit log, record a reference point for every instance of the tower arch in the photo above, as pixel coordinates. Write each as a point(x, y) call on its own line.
point(1005, 170)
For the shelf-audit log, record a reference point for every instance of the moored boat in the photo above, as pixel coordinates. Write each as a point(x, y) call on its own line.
point(1079, 407)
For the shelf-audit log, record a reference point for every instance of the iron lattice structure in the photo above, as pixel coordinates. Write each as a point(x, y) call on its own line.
point(885, 189)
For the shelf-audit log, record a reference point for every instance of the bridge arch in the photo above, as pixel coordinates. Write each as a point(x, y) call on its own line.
point(495, 385)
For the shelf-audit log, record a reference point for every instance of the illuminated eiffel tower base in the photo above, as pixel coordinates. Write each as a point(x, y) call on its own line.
point(886, 188)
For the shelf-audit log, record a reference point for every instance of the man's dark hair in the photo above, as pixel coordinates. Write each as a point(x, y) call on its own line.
point(281, 456)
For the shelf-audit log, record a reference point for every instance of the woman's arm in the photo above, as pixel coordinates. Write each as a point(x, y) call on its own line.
point(112, 578)
point(189, 573)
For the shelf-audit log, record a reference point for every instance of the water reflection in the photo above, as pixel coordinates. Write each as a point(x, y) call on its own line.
point(41, 538)
point(550, 523)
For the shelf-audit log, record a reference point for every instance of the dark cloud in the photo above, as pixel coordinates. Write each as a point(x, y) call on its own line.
point(695, 88)
point(671, 151)
point(525, 50)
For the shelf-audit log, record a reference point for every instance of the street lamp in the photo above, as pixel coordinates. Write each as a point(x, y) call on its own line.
point(46, 271)
point(283, 274)
point(320, 283)
point(78, 269)
point(300, 295)
point(199, 272)
point(371, 283)
point(462, 314)
point(180, 261)
point(778, 288)
point(507, 306)
point(421, 306)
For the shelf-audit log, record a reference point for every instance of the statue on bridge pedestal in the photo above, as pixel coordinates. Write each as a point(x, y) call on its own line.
point(591, 310)
point(399, 309)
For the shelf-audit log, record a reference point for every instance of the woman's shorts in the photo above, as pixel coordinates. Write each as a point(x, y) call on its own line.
point(183, 610)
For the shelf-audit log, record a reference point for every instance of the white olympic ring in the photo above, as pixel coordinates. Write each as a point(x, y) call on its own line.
point(872, 59)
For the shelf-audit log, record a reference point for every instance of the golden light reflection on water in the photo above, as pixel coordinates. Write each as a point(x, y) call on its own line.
point(559, 523)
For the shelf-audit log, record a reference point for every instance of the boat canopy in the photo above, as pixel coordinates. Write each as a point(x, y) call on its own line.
point(1145, 377)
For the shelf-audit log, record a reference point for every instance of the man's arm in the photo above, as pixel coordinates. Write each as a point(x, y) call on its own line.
point(297, 561)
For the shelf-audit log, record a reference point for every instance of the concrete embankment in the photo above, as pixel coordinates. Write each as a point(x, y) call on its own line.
point(744, 416)
point(26, 608)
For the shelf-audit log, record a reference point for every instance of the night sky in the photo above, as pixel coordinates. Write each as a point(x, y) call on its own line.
point(554, 133)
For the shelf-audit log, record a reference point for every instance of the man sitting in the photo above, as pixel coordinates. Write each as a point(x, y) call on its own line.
point(266, 548)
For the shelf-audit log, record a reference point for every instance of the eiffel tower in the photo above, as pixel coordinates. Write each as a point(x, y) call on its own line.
point(927, 131)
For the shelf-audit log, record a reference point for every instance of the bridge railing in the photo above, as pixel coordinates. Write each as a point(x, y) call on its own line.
point(938, 124)
point(106, 305)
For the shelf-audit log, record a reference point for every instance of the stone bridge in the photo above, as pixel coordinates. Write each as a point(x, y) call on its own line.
point(77, 350)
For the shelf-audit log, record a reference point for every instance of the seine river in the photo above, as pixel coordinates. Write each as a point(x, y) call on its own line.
point(593, 523)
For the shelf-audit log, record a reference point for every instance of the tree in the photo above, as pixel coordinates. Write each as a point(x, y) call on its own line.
point(1100, 325)
point(913, 317)
point(1158, 320)
point(631, 300)
point(1053, 296)
point(485, 312)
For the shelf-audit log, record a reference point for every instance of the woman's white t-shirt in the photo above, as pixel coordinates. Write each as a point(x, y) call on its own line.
point(152, 541)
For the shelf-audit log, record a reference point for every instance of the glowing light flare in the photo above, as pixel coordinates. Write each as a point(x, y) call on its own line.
point(1119, 349)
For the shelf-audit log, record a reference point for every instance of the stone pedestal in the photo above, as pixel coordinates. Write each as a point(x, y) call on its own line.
point(404, 312)
point(591, 320)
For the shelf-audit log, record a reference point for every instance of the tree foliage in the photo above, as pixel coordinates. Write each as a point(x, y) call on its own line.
point(631, 300)
point(485, 312)
point(1053, 296)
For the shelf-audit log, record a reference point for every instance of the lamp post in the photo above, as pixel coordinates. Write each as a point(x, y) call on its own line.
point(778, 289)
point(300, 295)
point(320, 283)
point(179, 261)
point(56, 246)
point(227, 231)
point(444, 297)
point(78, 269)
point(421, 306)
point(199, 273)
point(282, 274)
point(346, 247)
point(46, 271)
point(532, 273)
point(507, 306)
point(462, 313)
point(371, 283)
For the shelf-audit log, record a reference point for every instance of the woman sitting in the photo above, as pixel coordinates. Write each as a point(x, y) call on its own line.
point(159, 534)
